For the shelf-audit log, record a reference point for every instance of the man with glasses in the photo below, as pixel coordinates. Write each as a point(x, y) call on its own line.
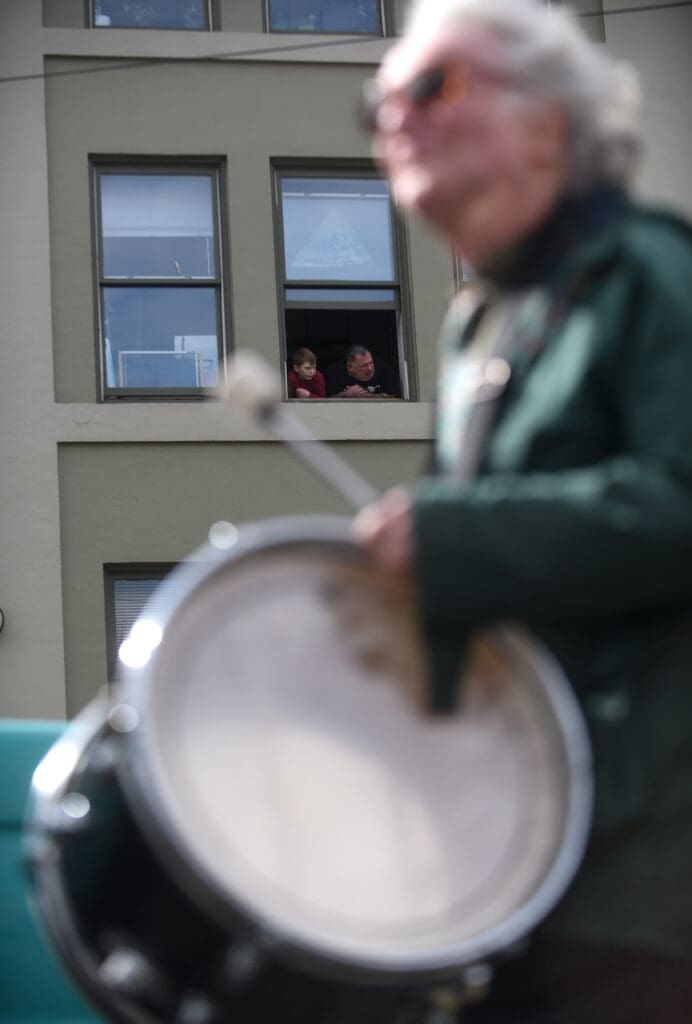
point(565, 501)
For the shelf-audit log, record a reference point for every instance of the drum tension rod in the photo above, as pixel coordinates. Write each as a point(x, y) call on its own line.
point(446, 1002)
point(132, 974)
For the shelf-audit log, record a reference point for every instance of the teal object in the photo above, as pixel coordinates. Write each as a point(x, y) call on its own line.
point(33, 990)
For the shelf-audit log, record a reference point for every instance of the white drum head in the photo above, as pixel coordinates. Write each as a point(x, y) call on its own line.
point(286, 756)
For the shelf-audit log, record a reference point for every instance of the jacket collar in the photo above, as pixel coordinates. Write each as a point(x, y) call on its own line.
point(580, 232)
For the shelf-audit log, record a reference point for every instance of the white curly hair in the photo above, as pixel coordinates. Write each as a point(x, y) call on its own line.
point(545, 49)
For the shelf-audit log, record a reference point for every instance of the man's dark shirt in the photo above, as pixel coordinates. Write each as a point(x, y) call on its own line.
point(382, 381)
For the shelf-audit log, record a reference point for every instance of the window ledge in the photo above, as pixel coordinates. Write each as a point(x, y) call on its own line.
point(217, 422)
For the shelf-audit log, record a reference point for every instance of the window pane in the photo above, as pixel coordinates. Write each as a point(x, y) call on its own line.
point(337, 229)
point(324, 16)
point(129, 598)
point(129, 593)
point(340, 295)
point(151, 14)
point(160, 337)
point(157, 226)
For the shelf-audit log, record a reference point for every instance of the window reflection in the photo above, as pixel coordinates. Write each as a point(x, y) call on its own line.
point(357, 16)
point(158, 244)
point(337, 229)
point(159, 338)
point(157, 226)
point(190, 14)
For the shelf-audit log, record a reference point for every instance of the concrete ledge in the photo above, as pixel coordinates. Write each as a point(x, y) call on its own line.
point(150, 422)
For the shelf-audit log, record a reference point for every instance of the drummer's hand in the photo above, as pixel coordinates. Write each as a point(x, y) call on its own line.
point(385, 528)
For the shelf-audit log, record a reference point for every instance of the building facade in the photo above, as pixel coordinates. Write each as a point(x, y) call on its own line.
point(180, 180)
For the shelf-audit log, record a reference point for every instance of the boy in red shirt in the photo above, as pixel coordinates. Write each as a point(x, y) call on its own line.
point(305, 380)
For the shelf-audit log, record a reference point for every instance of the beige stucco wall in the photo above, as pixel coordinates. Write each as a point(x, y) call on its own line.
point(247, 114)
point(657, 42)
point(83, 482)
point(31, 649)
point(167, 111)
point(155, 503)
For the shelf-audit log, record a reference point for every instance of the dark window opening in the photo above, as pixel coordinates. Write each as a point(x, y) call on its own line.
point(329, 333)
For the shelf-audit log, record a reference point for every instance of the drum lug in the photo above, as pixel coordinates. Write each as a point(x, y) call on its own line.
point(516, 949)
point(444, 1003)
point(440, 1005)
point(71, 815)
point(106, 757)
point(196, 1008)
point(477, 980)
point(243, 961)
point(41, 851)
point(123, 718)
point(131, 973)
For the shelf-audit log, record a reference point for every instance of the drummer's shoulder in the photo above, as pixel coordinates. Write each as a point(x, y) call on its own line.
point(659, 239)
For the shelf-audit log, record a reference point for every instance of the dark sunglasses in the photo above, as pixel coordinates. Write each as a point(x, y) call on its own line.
point(435, 85)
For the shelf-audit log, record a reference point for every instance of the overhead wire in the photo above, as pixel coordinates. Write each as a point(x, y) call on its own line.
point(152, 61)
point(231, 55)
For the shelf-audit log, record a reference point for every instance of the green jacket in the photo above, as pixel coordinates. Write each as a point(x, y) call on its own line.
point(579, 521)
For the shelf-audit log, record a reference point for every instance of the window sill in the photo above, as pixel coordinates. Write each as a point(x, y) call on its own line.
point(171, 421)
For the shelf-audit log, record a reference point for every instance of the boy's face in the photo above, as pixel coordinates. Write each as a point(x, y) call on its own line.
point(305, 371)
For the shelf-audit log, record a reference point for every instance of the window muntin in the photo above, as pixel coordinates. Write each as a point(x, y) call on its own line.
point(339, 267)
point(159, 282)
point(352, 16)
point(185, 14)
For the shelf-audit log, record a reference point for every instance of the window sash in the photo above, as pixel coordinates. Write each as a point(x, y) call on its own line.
point(339, 295)
point(325, 16)
point(160, 334)
point(189, 15)
point(140, 213)
point(336, 229)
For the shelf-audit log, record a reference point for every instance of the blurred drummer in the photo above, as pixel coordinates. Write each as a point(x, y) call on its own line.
point(564, 502)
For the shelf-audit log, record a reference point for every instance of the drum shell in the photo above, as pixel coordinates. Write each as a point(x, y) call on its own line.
point(164, 900)
point(97, 887)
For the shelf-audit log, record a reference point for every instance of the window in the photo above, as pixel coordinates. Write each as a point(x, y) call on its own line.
point(189, 14)
point(463, 272)
point(127, 589)
point(160, 288)
point(339, 268)
point(352, 16)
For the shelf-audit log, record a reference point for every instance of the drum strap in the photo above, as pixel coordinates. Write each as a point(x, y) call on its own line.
point(497, 335)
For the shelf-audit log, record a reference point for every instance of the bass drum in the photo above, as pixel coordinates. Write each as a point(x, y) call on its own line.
point(262, 824)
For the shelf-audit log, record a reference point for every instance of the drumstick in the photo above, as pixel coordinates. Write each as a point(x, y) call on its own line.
point(253, 387)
